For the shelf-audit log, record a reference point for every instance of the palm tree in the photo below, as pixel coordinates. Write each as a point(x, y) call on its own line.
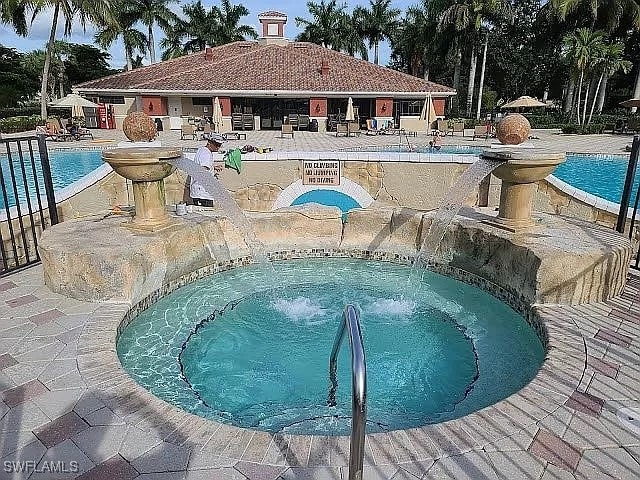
point(323, 28)
point(229, 28)
point(581, 47)
point(95, 11)
point(133, 39)
point(377, 23)
point(608, 62)
point(467, 18)
point(350, 41)
point(150, 13)
point(14, 12)
point(411, 40)
point(191, 34)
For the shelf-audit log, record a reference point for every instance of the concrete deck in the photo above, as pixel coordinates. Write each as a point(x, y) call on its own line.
point(310, 141)
point(63, 399)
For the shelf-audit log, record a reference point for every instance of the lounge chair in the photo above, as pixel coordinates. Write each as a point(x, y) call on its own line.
point(481, 131)
point(188, 131)
point(342, 129)
point(353, 127)
point(80, 132)
point(236, 121)
point(52, 131)
point(293, 121)
point(443, 127)
point(371, 129)
point(287, 129)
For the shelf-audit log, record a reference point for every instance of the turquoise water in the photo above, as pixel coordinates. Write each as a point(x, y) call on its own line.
point(600, 175)
point(66, 168)
point(251, 348)
point(329, 198)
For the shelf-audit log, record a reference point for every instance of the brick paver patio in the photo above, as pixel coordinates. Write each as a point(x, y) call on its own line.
point(65, 404)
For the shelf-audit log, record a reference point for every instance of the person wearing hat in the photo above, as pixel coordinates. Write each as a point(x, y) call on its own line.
point(204, 158)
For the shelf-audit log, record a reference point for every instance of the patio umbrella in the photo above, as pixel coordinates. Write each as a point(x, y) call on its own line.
point(75, 102)
point(428, 113)
point(632, 102)
point(349, 116)
point(524, 101)
point(217, 115)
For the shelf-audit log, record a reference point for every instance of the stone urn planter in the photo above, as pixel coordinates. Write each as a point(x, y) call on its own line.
point(147, 169)
point(519, 174)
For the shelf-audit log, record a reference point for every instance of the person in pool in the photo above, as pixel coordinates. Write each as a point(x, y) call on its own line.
point(436, 143)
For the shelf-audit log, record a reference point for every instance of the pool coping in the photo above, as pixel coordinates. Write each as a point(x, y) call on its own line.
point(560, 375)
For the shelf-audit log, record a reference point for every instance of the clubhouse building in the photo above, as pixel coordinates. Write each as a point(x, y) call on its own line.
point(259, 84)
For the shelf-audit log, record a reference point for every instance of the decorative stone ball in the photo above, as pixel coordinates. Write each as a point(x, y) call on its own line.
point(139, 127)
point(513, 129)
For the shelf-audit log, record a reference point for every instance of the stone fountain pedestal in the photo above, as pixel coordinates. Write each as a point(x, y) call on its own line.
point(519, 173)
point(147, 169)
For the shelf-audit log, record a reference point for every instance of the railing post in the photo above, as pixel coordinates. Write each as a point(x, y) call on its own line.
point(351, 323)
point(48, 182)
point(628, 186)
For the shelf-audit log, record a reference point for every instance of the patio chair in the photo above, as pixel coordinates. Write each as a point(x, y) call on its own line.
point(188, 131)
point(443, 127)
point(457, 127)
point(342, 129)
point(633, 125)
point(353, 127)
point(481, 131)
point(206, 131)
point(303, 122)
point(287, 129)
point(236, 121)
point(293, 121)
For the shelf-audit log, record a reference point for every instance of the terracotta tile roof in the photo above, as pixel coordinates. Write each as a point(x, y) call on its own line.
point(256, 66)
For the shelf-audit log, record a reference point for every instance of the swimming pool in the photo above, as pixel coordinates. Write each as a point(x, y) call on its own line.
point(251, 347)
point(67, 166)
point(599, 175)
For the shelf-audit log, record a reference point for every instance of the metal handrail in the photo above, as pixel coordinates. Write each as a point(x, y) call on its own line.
point(350, 322)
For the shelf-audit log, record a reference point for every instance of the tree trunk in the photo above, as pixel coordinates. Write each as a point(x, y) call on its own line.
point(375, 53)
point(472, 80)
point(568, 99)
point(61, 83)
point(595, 97)
point(127, 54)
point(426, 73)
point(47, 62)
point(456, 76)
point(579, 94)
point(586, 100)
point(152, 45)
point(602, 95)
point(482, 69)
point(545, 94)
point(636, 90)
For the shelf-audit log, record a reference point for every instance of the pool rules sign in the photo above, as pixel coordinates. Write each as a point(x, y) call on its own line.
point(321, 172)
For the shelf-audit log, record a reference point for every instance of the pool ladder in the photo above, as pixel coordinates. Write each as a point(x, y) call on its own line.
point(351, 323)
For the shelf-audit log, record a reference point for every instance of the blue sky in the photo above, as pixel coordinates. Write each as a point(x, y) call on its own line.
point(39, 31)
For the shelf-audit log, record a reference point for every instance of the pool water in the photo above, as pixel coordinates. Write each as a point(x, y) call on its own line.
point(67, 166)
point(251, 347)
point(600, 175)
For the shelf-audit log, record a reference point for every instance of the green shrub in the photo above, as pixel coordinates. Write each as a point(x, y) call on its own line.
point(19, 111)
point(583, 130)
point(19, 124)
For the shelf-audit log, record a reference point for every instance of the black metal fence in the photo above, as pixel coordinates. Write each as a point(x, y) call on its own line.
point(627, 194)
point(27, 200)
